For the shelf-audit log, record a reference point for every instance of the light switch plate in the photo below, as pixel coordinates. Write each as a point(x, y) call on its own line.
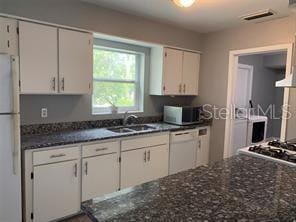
point(44, 113)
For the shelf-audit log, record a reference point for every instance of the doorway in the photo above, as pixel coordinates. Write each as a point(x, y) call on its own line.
point(244, 93)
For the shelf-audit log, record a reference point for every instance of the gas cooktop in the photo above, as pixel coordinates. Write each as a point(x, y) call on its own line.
point(284, 152)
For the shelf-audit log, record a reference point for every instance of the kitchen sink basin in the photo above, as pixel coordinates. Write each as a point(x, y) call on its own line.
point(141, 127)
point(129, 129)
point(120, 130)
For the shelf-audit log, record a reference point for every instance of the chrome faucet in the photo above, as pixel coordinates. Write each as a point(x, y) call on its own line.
point(126, 117)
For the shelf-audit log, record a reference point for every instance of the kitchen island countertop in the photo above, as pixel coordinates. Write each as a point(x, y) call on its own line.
point(241, 188)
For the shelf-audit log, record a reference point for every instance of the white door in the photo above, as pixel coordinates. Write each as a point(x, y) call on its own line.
point(182, 156)
point(56, 191)
point(133, 168)
point(243, 86)
point(75, 62)
point(38, 58)
point(100, 175)
point(190, 78)
point(203, 149)
point(10, 184)
point(173, 71)
point(157, 164)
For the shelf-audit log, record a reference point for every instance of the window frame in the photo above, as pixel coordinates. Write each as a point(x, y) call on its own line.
point(138, 107)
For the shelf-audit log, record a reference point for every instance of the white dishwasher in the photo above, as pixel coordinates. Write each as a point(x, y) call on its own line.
point(183, 150)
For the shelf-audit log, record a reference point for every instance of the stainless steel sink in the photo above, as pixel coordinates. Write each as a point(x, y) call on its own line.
point(129, 129)
point(120, 130)
point(141, 127)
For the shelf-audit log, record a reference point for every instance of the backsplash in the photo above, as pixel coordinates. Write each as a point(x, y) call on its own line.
point(39, 129)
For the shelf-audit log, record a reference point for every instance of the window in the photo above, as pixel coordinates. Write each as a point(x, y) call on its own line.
point(116, 80)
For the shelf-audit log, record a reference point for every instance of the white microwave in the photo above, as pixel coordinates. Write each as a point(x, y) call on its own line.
point(182, 115)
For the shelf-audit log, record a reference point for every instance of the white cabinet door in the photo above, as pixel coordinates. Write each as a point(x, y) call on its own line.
point(38, 58)
point(173, 71)
point(202, 154)
point(133, 168)
point(75, 62)
point(56, 191)
point(190, 73)
point(9, 38)
point(100, 175)
point(157, 164)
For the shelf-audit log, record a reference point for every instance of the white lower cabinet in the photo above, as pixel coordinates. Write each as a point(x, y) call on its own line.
point(146, 162)
point(100, 169)
point(143, 165)
point(56, 190)
point(133, 168)
point(158, 162)
point(203, 148)
point(100, 175)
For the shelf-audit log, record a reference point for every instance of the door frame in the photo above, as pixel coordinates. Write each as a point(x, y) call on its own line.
point(232, 69)
point(250, 68)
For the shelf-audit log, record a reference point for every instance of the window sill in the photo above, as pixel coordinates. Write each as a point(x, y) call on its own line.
point(118, 113)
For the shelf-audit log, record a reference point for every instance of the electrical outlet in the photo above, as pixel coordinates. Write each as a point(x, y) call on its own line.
point(44, 113)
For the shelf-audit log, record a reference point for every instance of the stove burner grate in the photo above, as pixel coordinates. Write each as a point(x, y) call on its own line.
point(277, 153)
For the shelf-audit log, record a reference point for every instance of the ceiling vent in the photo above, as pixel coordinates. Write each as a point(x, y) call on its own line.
point(258, 15)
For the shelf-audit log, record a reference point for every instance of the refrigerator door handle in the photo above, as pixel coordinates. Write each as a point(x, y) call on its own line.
point(15, 84)
point(16, 144)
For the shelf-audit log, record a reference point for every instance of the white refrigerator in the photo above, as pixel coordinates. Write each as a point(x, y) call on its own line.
point(10, 161)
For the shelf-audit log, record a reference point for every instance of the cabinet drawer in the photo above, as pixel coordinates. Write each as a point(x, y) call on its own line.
point(55, 155)
point(144, 142)
point(100, 148)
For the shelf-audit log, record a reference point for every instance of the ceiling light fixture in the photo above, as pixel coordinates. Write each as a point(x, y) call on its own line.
point(184, 3)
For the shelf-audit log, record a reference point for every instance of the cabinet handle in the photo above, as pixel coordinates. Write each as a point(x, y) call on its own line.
point(54, 83)
point(86, 168)
point(63, 84)
point(148, 157)
point(199, 144)
point(101, 149)
point(57, 155)
point(180, 88)
point(145, 156)
point(75, 170)
point(184, 88)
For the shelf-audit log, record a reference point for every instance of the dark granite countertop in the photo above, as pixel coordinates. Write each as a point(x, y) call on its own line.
point(241, 188)
point(88, 135)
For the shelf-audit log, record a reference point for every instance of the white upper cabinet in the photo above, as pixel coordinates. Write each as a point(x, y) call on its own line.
point(190, 79)
point(54, 61)
point(38, 58)
point(8, 36)
point(75, 62)
point(174, 72)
